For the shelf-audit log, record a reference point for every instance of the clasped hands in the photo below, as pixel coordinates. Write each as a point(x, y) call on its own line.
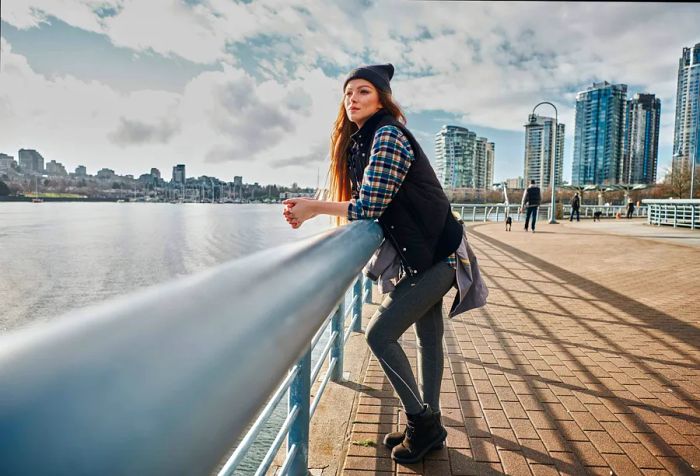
point(298, 210)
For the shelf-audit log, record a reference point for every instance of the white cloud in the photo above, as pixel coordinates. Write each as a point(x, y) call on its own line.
point(486, 62)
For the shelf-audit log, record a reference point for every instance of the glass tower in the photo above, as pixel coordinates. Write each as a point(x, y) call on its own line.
point(462, 159)
point(686, 134)
point(641, 140)
point(539, 140)
point(599, 134)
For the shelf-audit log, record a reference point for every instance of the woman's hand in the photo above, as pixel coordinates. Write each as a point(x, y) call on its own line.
point(298, 210)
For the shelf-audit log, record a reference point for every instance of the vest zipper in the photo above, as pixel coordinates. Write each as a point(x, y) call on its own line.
point(411, 271)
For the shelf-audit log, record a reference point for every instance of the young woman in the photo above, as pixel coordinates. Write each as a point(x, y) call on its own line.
point(379, 171)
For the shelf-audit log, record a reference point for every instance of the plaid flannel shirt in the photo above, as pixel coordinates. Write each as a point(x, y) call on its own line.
point(388, 165)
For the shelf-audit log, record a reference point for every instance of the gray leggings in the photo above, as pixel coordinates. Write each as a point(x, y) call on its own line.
point(416, 300)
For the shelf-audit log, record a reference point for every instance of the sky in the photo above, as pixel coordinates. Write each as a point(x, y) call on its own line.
point(252, 88)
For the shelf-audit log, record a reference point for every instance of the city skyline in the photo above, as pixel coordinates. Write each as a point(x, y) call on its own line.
point(96, 87)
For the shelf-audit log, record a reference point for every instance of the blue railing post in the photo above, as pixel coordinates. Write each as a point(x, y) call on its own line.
point(367, 290)
point(338, 328)
point(300, 396)
point(357, 310)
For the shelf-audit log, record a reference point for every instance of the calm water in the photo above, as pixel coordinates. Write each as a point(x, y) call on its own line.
point(55, 257)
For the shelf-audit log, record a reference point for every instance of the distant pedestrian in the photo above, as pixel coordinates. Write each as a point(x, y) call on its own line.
point(379, 171)
point(630, 209)
point(531, 199)
point(575, 206)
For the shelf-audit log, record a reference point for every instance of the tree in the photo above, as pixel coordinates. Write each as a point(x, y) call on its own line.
point(677, 181)
point(4, 189)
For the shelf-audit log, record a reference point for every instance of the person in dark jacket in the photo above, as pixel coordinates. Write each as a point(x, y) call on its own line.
point(575, 206)
point(531, 199)
point(630, 208)
point(379, 171)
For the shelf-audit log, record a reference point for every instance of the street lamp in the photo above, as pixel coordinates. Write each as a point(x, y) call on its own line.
point(552, 211)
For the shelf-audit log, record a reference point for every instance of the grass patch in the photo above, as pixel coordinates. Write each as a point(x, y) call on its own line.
point(53, 195)
point(365, 443)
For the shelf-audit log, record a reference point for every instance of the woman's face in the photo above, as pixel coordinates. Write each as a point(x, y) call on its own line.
point(361, 101)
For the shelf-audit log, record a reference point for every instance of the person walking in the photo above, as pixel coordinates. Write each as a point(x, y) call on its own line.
point(575, 206)
point(630, 208)
point(532, 197)
point(379, 171)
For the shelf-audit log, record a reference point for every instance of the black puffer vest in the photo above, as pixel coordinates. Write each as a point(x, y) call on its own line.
point(419, 220)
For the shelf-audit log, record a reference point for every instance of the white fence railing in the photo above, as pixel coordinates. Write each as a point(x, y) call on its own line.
point(674, 212)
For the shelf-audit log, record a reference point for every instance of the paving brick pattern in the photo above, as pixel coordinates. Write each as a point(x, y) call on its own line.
point(586, 360)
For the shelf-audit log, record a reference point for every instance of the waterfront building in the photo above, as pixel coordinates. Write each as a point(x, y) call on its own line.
point(179, 174)
point(7, 163)
point(105, 174)
point(515, 183)
point(81, 171)
point(454, 157)
point(483, 163)
point(641, 148)
point(599, 134)
point(55, 168)
point(462, 159)
point(540, 141)
point(31, 161)
point(155, 173)
point(686, 133)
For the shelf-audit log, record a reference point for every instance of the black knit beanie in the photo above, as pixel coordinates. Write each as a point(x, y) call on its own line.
point(377, 74)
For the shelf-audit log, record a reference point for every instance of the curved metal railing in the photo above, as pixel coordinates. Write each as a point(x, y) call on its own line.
point(163, 381)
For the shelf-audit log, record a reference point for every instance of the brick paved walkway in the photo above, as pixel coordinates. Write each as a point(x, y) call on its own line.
point(585, 361)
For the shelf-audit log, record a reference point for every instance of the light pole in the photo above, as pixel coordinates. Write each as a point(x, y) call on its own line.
point(552, 210)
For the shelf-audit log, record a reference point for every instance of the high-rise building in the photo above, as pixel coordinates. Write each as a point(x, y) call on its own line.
point(7, 163)
point(31, 161)
point(463, 160)
point(155, 173)
point(483, 163)
point(539, 144)
point(686, 134)
point(81, 171)
point(641, 147)
point(455, 149)
point(599, 134)
point(105, 174)
point(179, 173)
point(55, 168)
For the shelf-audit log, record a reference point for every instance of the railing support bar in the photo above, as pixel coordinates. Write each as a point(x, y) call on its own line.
point(357, 309)
point(338, 328)
point(300, 396)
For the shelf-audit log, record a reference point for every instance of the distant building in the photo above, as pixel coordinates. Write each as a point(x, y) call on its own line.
point(599, 134)
point(105, 174)
point(686, 133)
point(31, 161)
point(515, 183)
point(462, 159)
point(179, 174)
point(81, 171)
point(641, 140)
point(55, 168)
point(539, 144)
point(7, 163)
point(485, 153)
point(155, 173)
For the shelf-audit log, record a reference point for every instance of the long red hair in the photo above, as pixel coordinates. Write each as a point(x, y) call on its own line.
point(339, 186)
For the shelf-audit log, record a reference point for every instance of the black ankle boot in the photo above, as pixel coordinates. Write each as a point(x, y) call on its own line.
point(423, 432)
point(395, 438)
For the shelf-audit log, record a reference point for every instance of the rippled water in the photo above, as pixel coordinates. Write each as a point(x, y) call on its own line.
point(55, 257)
point(58, 256)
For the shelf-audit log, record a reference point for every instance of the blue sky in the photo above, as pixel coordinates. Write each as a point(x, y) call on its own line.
point(252, 88)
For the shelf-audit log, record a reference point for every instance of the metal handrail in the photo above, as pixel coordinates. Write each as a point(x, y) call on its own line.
point(683, 212)
point(162, 381)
